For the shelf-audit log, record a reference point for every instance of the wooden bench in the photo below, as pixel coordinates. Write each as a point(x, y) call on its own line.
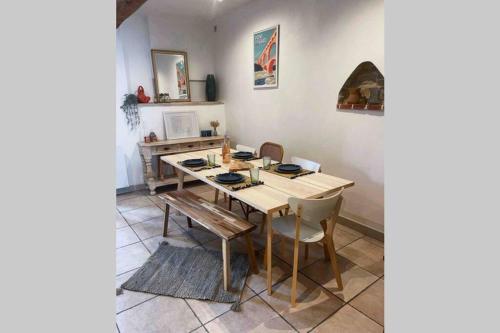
point(223, 223)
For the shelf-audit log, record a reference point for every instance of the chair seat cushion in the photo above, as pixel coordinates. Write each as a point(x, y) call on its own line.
point(309, 232)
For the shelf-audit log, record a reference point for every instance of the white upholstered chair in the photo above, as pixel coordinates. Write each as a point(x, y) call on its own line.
point(306, 164)
point(313, 221)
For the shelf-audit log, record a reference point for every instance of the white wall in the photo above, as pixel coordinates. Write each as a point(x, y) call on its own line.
point(321, 43)
point(135, 38)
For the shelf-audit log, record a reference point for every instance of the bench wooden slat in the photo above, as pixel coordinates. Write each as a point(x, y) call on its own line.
point(223, 223)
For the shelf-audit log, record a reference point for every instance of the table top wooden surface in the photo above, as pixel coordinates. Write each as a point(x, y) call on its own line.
point(274, 193)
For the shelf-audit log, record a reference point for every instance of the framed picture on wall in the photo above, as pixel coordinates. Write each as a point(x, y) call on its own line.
point(265, 58)
point(181, 124)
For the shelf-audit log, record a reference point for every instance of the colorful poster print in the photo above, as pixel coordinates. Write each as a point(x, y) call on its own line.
point(265, 57)
point(181, 79)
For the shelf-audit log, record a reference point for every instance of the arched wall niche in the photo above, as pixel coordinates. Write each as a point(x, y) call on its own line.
point(363, 90)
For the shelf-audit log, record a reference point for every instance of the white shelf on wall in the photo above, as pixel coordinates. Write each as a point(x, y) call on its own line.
point(180, 103)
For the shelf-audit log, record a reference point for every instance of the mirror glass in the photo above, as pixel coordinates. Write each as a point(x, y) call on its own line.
point(171, 75)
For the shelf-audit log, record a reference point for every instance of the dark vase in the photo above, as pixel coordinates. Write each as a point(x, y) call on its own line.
point(210, 88)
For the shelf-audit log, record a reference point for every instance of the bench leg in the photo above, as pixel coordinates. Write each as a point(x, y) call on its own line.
point(165, 220)
point(251, 254)
point(226, 257)
point(190, 223)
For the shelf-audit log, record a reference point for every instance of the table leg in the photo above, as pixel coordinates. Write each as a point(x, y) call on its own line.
point(269, 249)
point(180, 175)
point(251, 254)
point(216, 198)
point(226, 258)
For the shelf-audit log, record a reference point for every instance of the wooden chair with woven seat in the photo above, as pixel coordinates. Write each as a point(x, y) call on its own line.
point(314, 221)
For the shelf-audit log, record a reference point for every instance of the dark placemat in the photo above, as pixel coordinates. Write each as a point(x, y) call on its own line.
point(199, 168)
point(273, 167)
point(238, 186)
point(244, 160)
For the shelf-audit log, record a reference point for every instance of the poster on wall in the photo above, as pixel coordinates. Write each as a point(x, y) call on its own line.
point(265, 57)
point(181, 79)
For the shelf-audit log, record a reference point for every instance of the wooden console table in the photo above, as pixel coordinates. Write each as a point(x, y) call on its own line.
point(154, 150)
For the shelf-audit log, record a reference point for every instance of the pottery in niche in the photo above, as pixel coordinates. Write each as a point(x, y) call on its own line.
point(363, 90)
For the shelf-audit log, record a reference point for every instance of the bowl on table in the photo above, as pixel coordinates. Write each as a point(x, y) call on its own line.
point(229, 178)
point(194, 162)
point(288, 168)
point(242, 155)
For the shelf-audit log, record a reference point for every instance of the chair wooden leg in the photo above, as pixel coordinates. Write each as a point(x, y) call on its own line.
point(216, 197)
point(190, 223)
point(281, 213)
point(306, 252)
point(165, 220)
point(251, 254)
point(333, 260)
point(226, 258)
point(293, 300)
point(286, 211)
point(230, 203)
point(325, 250)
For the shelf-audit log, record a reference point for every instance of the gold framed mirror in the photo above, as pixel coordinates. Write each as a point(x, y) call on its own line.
point(171, 76)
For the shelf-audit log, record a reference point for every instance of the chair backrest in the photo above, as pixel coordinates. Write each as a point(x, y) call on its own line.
point(317, 210)
point(246, 148)
point(274, 150)
point(306, 164)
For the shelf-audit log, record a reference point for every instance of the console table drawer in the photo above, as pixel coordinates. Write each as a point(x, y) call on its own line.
point(167, 149)
point(189, 146)
point(211, 144)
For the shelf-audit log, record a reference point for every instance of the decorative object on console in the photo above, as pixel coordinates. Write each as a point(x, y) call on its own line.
point(131, 110)
point(215, 124)
point(205, 133)
point(265, 57)
point(164, 98)
point(181, 124)
point(363, 90)
point(153, 137)
point(141, 96)
point(210, 88)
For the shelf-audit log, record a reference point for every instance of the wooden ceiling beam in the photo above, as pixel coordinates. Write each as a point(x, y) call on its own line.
point(125, 8)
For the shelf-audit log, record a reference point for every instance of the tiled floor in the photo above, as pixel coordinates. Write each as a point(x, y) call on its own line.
point(321, 307)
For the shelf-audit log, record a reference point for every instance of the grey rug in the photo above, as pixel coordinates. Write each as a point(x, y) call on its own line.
point(190, 273)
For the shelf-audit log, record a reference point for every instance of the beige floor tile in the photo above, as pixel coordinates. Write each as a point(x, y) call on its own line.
point(342, 237)
point(153, 227)
point(354, 278)
point(132, 203)
point(160, 314)
point(207, 310)
point(365, 254)
point(371, 302)
point(314, 304)
point(349, 320)
point(142, 214)
point(175, 238)
point(130, 257)
point(280, 272)
point(255, 316)
point(315, 252)
point(120, 221)
point(130, 195)
point(199, 330)
point(125, 236)
point(128, 298)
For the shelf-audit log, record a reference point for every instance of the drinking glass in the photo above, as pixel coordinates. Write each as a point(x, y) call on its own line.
point(211, 159)
point(254, 175)
point(266, 161)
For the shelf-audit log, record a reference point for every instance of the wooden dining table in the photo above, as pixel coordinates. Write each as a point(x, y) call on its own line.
point(268, 198)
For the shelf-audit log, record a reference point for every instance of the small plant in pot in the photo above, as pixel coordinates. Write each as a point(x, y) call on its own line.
point(215, 124)
point(131, 111)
